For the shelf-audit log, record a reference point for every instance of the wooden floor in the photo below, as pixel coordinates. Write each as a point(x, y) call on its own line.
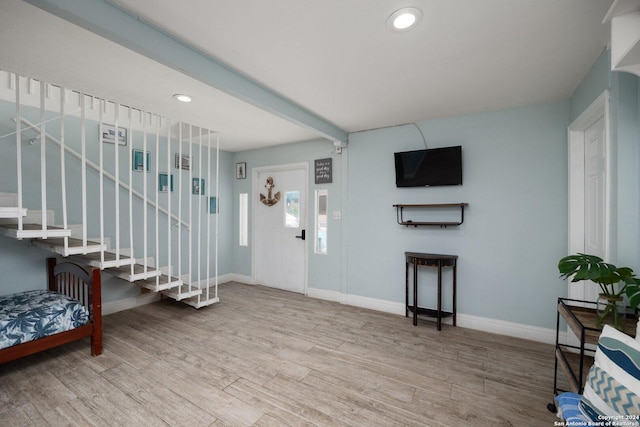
point(265, 357)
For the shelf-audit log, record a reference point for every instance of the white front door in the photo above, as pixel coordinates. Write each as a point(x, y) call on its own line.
point(280, 214)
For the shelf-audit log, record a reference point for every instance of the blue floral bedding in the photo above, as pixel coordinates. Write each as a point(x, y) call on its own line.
point(30, 315)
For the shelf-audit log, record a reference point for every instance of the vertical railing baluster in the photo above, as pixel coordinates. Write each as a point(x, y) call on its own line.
point(191, 165)
point(116, 185)
point(180, 205)
point(83, 164)
point(63, 170)
point(170, 187)
point(43, 163)
point(101, 106)
point(19, 152)
point(208, 275)
point(217, 210)
point(131, 251)
point(144, 192)
point(201, 193)
point(157, 192)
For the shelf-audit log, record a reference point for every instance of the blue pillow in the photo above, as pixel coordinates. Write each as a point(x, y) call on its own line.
point(568, 405)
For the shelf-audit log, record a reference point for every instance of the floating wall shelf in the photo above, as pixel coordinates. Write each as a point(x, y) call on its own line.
point(402, 221)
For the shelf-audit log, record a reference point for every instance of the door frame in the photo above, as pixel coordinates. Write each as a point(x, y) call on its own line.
point(576, 149)
point(255, 186)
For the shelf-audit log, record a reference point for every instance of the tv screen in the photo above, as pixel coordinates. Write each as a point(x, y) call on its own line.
point(431, 167)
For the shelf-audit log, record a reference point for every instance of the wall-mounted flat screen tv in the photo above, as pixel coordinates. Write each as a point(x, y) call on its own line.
point(430, 167)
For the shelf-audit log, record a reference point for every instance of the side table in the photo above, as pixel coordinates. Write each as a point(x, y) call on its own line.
point(429, 260)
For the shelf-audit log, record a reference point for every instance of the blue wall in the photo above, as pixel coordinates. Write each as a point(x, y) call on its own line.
point(515, 181)
point(595, 82)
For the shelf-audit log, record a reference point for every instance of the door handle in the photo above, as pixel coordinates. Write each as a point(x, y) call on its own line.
point(302, 235)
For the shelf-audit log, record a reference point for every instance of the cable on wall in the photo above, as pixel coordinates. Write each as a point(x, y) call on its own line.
point(421, 134)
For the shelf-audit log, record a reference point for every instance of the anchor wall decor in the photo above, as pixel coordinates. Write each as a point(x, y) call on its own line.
point(269, 201)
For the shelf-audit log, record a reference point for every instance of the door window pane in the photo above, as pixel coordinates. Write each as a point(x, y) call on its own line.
point(322, 205)
point(292, 209)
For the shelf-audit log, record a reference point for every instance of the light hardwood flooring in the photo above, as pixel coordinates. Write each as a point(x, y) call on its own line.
point(265, 357)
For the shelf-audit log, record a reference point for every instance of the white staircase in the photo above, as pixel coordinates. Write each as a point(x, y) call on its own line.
point(139, 206)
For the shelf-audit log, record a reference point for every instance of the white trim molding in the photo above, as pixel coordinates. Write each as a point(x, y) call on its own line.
point(495, 326)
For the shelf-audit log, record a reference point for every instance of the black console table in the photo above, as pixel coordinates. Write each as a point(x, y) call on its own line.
point(429, 260)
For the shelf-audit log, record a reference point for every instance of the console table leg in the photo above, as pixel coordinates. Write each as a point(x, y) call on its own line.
point(439, 312)
point(406, 290)
point(455, 306)
point(415, 292)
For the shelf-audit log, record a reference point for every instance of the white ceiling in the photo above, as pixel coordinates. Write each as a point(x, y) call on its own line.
point(335, 58)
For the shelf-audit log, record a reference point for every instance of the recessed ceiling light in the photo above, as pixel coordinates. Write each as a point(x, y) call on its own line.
point(182, 98)
point(404, 19)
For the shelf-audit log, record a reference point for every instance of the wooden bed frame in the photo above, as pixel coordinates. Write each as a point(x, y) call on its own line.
point(75, 282)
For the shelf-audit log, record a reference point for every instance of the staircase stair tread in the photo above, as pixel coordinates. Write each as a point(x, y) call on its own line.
point(108, 256)
point(12, 212)
point(110, 261)
point(74, 246)
point(164, 283)
point(182, 292)
point(33, 231)
point(124, 272)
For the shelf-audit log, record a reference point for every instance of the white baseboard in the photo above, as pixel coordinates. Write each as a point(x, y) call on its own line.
point(511, 329)
point(478, 323)
point(241, 278)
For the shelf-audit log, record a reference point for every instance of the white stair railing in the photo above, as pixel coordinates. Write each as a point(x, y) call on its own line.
point(85, 162)
point(76, 114)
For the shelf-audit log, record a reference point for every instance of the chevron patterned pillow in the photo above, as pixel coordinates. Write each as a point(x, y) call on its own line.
point(612, 392)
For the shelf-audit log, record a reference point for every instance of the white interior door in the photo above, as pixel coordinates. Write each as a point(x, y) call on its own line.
point(595, 187)
point(589, 191)
point(280, 246)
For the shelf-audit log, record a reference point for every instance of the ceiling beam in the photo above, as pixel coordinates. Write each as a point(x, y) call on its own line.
point(106, 20)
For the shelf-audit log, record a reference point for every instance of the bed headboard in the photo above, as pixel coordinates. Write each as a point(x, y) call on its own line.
point(75, 282)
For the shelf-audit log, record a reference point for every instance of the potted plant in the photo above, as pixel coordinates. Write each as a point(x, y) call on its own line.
point(613, 281)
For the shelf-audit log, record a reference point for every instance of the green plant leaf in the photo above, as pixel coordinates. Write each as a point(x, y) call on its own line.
point(590, 267)
point(633, 292)
point(595, 271)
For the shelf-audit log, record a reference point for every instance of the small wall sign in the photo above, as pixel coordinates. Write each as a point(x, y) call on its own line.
point(324, 171)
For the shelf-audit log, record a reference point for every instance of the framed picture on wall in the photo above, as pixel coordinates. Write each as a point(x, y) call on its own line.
point(109, 134)
point(138, 161)
point(241, 170)
point(182, 162)
point(165, 182)
point(197, 186)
